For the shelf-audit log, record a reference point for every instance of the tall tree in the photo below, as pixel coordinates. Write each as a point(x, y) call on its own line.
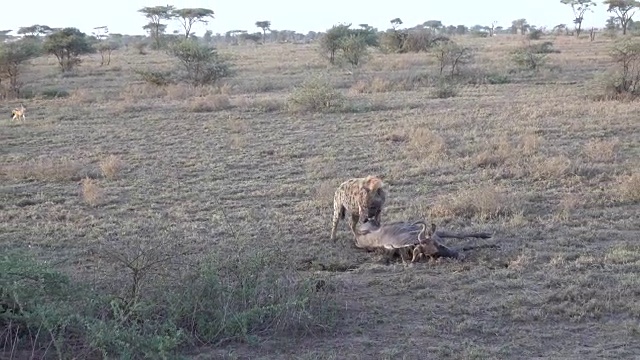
point(190, 16)
point(67, 45)
point(624, 10)
point(520, 24)
point(12, 56)
point(156, 14)
point(579, 7)
point(264, 25)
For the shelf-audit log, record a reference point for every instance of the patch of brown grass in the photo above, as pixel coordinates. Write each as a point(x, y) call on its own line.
point(209, 103)
point(483, 203)
point(91, 192)
point(142, 91)
point(599, 150)
point(60, 169)
point(629, 188)
point(110, 166)
point(549, 168)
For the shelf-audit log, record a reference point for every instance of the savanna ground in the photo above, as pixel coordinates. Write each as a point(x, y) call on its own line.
point(535, 160)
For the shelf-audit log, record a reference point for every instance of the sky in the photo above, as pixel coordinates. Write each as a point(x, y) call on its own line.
point(122, 16)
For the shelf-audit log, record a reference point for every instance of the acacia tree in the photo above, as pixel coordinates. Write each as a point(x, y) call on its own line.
point(520, 24)
point(624, 10)
point(35, 30)
point(156, 14)
point(67, 45)
point(579, 7)
point(264, 25)
point(12, 56)
point(190, 16)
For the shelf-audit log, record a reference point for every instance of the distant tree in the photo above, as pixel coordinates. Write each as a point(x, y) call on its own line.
point(190, 16)
point(519, 25)
point(264, 25)
point(433, 24)
point(624, 10)
point(461, 30)
point(4, 35)
point(368, 34)
point(395, 23)
point(579, 7)
point(613, 23)
point(67, 45)
point(208, 37)
point(331, 41)
point(560, 28)
point(492, 28)
point(12, 56)
point(35, 30)
point(156, 14)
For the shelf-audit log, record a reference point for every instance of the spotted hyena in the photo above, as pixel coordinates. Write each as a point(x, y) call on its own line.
point(361, 198)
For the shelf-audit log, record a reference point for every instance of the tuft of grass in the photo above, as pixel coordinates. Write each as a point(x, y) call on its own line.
point(629, 188)
point(209, 103)
point(110, 166)
point(91, 192)
point(599, 150)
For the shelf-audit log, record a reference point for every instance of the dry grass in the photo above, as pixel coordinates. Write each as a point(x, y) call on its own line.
point(91, 192)
point(551, 173)
point(209, 103)
point(110, 166)
point(629, 188)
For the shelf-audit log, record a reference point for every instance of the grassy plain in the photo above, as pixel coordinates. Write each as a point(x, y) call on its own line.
point(552, 173)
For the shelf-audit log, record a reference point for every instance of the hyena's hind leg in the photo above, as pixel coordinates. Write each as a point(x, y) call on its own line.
point(338, 213)
point(353, 224)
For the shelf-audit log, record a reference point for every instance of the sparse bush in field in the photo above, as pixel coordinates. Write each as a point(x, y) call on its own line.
point(350, 43)
point(158, 78)
point(449, 54)
point(202, 63)
point(141, 47)
point(354, 49)
point(54, 93)
point(404, 41)
point(544, 48)
point(624, 80)
point(105, 48)
point(67, 45)
point(529, 57)
point(444, 89)
point(535, 34)
point(497, 79)
point(315, 94)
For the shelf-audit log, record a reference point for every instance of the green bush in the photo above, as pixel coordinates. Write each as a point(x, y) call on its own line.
point(202, 63)
point(529, 58)
point(226, 299)
point(158, 78)
point(315, 94)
